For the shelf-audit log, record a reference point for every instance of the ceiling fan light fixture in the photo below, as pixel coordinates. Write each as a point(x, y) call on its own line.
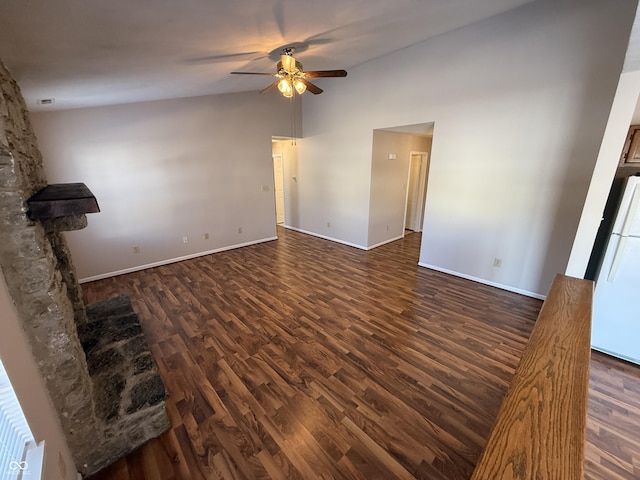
point(288, 62)
point(285, 87)
point(292, 79)
point(299, 85)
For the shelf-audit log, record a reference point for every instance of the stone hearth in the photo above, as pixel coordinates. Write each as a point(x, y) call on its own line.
point(126, 383)
point(95, 361)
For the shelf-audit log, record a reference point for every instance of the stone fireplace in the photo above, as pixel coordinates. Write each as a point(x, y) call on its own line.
point(95, 360)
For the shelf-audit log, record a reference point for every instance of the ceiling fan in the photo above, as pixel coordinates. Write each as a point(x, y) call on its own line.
point(290, 77)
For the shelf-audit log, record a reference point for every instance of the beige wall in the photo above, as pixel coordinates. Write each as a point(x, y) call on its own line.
point(520, 103)
point(29, 387)
point(165, 170)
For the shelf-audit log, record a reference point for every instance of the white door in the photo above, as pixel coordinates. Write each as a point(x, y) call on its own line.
point(415, 191)
point(278, 178)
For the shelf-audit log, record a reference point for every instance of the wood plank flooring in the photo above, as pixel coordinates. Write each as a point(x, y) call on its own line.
point(613, 424)
point(303, 358)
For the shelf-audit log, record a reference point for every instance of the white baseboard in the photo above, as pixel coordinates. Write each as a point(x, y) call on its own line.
point(268, 239)
point(616, 355)
point(171, 260)
point(385, 242)
point(313, 234)
point(485, 282)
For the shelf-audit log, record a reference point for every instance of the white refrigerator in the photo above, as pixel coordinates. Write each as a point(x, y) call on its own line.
point(616, 303)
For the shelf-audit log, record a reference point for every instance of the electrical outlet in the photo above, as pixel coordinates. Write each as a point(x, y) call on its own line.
point(206, 236)
point(497, 262)
point(328, 224)
point(265, 188)
point(239, 229)
point(136, 249)
point(387, 228)
point(185, 239)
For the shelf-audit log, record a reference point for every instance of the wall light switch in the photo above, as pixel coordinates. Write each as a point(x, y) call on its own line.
point(265, 188)
point(392, 156)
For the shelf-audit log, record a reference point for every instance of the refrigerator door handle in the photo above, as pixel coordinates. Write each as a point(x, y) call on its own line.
point(617, 258)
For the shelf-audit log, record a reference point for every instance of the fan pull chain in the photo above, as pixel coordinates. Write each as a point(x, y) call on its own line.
point(293, 122)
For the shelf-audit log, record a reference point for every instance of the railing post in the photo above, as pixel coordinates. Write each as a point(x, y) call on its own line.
point(541, 426)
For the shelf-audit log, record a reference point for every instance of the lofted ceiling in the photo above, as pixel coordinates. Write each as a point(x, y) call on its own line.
point(100, 52)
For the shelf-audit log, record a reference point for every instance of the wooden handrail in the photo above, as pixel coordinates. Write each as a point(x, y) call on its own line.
point(541, 426)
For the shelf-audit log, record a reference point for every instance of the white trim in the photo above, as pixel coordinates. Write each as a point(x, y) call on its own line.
point(406, 195)
point(616, 355)
point(485, 282)
point(279, 180)
point(422, 183)
point(313, 234)
point(349, 244)
point(35, 460)
point(20, 457)
point(172, 260)
point(370, 247)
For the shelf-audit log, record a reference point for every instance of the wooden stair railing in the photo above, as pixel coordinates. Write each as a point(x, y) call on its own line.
point(541, 426)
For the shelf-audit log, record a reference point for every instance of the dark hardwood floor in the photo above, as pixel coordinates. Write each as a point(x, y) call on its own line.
point(303, 358)
point(613, 424)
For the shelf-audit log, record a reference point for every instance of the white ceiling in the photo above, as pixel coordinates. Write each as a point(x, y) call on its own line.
point(101, 52)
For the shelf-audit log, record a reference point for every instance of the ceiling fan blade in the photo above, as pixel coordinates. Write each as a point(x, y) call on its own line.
point(311, 87)
point(253, 73)
point(227, 57)
point(325, 73)
point(270, 87)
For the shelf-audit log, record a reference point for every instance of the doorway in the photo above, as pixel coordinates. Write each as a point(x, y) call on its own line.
point(398, 183)
point(278, 182)
point(415, 191)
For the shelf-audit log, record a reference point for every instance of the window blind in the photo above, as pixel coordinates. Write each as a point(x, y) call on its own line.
point(15, 436)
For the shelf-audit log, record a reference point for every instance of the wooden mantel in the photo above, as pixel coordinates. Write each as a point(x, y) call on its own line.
point(541, 426)
point(62, 200)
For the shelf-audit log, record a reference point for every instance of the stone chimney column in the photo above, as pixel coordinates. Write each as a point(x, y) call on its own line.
point(31, 268)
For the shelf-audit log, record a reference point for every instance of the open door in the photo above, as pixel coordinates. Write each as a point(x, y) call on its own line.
point(415, 191)
point(278, 178)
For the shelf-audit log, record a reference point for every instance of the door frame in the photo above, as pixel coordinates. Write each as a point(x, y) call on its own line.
point(275, 185)
point(422, 185)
